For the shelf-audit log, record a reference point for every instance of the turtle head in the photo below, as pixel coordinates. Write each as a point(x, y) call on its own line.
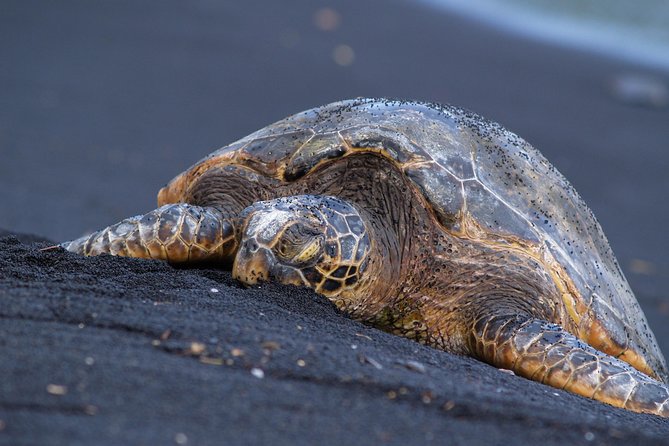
point(317, 241)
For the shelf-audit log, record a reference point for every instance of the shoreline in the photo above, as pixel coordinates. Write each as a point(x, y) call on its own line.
point(574, 33)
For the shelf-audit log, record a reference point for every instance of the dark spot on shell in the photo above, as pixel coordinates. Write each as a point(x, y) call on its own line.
point(331, 285)
point(340, 272)
point(331, 249)
point(312, 275)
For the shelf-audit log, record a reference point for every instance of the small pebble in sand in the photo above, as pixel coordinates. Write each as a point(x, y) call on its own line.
point(414, 366)
point(56, 389)
point(301, 363)
point(426, 397)
point(196, 348)
point(89, 360)
point(270, 345)
point(371, 361)
point(214, 290)
point(589, 436)
point(258, 373)
point(236, 352)
point(211, 361)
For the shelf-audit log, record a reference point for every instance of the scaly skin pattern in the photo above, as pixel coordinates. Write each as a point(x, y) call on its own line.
point(178, 233)
point(544, 352)
point(425, 221)
point(284, 234)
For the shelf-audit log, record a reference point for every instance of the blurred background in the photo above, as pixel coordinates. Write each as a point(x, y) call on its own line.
point(103, 102)
point(637, 31)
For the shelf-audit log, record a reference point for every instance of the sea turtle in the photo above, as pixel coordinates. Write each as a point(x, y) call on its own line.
point(424, 220)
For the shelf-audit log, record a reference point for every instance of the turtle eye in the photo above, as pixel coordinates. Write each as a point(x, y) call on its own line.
point(310, 252)
point(299, 245)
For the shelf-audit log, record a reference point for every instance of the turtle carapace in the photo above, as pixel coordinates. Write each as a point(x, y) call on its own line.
point(423, 220)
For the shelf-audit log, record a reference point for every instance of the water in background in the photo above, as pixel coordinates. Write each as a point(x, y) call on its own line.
point(637, 30)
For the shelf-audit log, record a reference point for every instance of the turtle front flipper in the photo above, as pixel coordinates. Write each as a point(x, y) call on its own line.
point(545, 352)
point(177, 233)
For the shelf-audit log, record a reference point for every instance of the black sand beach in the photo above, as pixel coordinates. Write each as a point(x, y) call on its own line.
point(103, 103)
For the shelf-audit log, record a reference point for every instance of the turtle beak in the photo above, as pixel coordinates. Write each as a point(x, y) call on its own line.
point(255, 264)
point(252, 263)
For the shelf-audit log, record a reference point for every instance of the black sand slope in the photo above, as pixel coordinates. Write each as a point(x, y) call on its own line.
point(101, 103)
point(124, 351)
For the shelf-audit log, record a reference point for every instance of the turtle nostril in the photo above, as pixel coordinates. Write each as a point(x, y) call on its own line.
point(251, 245)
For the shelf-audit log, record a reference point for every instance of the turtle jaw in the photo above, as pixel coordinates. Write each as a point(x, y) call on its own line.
point(255, 263)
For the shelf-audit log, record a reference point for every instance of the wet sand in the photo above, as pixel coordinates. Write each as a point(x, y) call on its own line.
point(103, 104)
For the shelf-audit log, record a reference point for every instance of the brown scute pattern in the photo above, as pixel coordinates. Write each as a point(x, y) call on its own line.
point(348, 245)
